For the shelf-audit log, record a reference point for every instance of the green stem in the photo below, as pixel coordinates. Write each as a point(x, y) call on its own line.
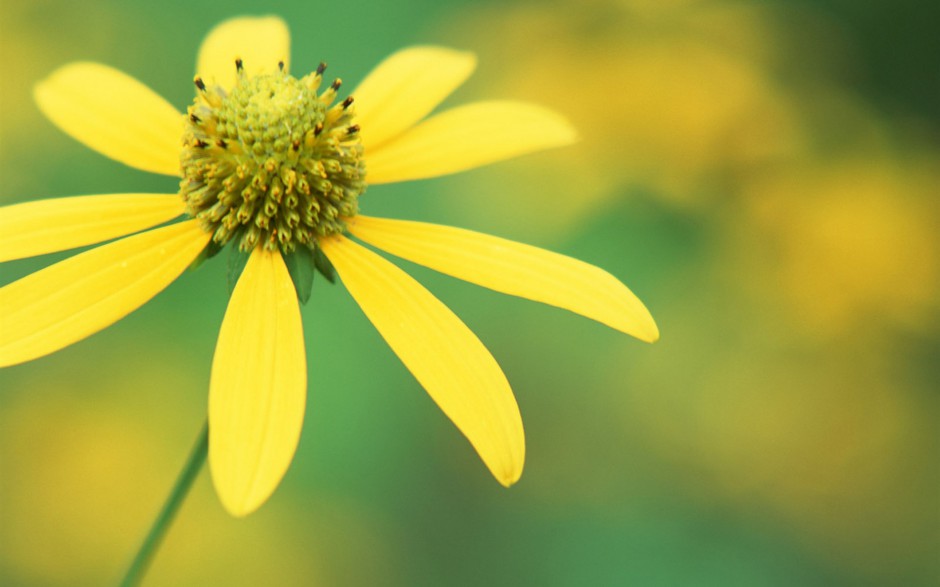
point(185, 482)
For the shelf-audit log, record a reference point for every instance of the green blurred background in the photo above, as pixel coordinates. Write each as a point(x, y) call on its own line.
point(763, 174)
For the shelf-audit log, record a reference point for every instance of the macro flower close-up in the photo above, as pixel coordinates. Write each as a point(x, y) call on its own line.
point(273, 167)
point(265, 306)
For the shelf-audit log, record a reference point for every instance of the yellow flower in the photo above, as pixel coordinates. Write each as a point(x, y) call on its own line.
point(269, 162)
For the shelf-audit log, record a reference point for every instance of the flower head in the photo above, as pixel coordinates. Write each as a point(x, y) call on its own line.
point(274, 166)
point(270, 161)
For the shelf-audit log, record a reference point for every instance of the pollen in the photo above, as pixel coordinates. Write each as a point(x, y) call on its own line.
point(272, 162)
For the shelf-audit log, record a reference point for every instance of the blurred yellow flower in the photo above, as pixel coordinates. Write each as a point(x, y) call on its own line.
point(850, 244)
point(667, 96)
point(270, 162)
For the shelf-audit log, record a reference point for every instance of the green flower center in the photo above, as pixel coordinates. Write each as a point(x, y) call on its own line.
point(272, 162)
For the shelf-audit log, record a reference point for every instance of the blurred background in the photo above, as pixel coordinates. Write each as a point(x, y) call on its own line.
point(763, 174)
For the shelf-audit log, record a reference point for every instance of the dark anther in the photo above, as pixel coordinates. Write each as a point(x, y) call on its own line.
point(201, 144)
point(347, 102)
point(200, 84)
point(352, 129)
point(222, 143)
point(280, 65)
point(238, 64)
point(336, 84)
point(296, 145)
point(195, 119)
point(318, 129)
point(321, 68)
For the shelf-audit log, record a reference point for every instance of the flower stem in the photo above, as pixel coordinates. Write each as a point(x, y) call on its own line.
point(160, 526)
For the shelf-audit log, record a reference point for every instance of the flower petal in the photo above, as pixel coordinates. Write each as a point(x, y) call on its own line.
point(260, 42)
point(62, 304)
point(113, 114)
point(405, 87)
point(443, 354)
point(46, 226)
point(467, 137)
point(513, 268)
point(259, 385)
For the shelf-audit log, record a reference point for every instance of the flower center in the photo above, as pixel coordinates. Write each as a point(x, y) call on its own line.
point(271, 162)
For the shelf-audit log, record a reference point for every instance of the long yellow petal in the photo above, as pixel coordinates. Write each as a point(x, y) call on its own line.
point(62, 304)
point(46, 226)
point(513, 268)
point(259, 385)
point(405, 87)
point(467, 137)
point(259, 42)
point(443, 354)
point(115, 115)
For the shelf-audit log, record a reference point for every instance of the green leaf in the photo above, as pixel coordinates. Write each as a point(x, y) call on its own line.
point(211, 250)
point(323, 265)
point(237, 259)
point(300, 265)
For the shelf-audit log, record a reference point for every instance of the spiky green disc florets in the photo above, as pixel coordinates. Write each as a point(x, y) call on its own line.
point(272, 162)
